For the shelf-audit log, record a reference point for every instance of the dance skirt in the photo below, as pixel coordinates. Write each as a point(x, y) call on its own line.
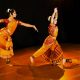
point(54, 53)
point(6, 45)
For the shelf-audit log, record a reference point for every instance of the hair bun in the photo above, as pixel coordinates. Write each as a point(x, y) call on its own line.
point(8, 10)
point(49, 18)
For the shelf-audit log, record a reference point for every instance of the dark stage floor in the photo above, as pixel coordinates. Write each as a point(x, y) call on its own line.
point(21, 70)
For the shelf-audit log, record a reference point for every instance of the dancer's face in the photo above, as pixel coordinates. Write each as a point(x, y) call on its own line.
point(14, 14)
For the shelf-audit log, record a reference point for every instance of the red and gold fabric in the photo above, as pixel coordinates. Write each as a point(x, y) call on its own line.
point(50, 50)
point(6, 44)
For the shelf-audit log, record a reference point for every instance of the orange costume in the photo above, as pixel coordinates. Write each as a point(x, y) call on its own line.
point(6, 45)
point(50, 49)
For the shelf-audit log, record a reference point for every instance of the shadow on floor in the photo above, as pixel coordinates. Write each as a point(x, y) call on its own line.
point(47, 72)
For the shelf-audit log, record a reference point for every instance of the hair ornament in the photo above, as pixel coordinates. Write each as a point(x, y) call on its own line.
point(8, 10)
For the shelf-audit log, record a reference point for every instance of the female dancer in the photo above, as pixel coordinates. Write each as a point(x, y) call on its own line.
point(6, 44)
point(50, 49)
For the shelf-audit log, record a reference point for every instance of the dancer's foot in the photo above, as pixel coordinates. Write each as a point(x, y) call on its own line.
point(32, 59)
point(8, 62)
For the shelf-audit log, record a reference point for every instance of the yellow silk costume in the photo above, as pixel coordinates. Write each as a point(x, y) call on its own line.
point(6, 45)
point(50, 49)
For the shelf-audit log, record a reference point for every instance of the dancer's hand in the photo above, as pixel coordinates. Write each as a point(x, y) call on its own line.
point(55, 10)
point(35, 28)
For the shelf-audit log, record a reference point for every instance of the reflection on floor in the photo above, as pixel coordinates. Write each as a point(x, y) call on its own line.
point(22, 70)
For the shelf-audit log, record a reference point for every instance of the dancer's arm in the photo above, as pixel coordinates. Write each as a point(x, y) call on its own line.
point(1, 20)
point(54, 15)
point(28, 25)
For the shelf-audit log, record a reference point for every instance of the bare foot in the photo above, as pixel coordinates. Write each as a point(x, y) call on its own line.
point(9, 64)
point(32, 59)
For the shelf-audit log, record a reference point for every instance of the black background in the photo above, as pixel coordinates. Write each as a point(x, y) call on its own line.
point(36, 12)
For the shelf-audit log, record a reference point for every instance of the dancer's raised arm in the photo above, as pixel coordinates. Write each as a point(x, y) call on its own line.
point(54, 16)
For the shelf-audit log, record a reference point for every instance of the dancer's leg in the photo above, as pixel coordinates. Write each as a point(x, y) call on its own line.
point(39, 52)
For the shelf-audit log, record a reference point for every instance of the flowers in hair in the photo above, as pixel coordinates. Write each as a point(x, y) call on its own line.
point(8, 10)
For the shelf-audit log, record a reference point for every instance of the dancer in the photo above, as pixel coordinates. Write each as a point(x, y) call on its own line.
point(51, 50)
point(6, 44)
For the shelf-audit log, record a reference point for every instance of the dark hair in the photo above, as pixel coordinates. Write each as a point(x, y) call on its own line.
point(10, 11)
